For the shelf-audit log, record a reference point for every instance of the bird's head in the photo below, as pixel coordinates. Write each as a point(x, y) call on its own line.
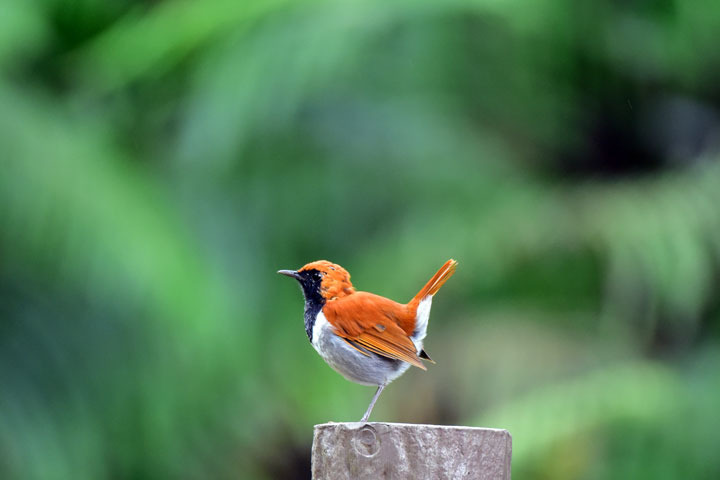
point(329, 280)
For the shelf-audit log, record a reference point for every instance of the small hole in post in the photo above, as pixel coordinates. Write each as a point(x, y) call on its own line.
point(366, 442)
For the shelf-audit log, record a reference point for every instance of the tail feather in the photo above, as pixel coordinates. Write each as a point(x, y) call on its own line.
point(437, 281)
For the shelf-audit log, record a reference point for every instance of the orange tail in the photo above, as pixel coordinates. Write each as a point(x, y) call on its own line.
point(437, 281)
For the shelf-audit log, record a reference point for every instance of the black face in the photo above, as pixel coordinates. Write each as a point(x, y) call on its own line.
point(310, 281)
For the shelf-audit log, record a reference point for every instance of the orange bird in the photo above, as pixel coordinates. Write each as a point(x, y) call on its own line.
point(368, 339)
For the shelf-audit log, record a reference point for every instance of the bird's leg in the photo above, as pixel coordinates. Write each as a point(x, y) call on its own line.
point(372, 403)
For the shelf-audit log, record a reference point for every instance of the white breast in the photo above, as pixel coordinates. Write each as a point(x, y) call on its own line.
point(319, 329)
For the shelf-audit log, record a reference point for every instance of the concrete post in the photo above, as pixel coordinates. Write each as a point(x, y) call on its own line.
point(357, 451)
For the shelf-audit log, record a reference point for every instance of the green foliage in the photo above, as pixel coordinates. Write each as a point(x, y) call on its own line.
point(161, 160)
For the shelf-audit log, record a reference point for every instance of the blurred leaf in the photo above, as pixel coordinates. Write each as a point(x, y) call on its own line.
point(150, 43)
point(621, 396)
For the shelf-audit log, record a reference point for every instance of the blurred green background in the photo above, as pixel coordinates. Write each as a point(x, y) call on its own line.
point(162, 159)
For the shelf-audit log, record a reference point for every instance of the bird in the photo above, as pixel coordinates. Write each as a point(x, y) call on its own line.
point(367, 338)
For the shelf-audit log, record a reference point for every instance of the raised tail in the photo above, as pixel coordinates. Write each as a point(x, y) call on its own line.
point(437, 281)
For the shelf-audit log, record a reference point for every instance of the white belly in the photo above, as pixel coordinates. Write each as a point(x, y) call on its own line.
point(350, 363)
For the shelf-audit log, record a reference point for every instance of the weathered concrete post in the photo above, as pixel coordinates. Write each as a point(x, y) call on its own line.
point(357, 451)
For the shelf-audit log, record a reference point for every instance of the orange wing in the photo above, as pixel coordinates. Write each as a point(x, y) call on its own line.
point(372, 323)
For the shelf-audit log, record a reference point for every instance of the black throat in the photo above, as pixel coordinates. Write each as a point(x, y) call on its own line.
point(313, 306)
point(314, 301)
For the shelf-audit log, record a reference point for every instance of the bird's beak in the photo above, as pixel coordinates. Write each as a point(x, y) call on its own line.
point(290, 273)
